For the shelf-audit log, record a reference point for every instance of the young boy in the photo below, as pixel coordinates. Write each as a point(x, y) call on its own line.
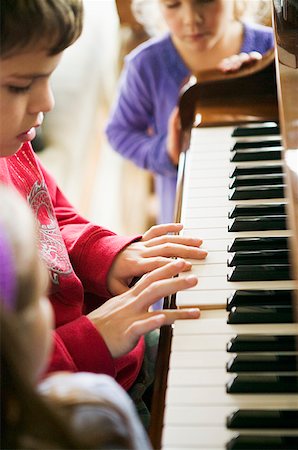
point(87, 263)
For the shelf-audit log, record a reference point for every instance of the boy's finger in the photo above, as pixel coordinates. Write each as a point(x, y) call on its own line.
point(144, 326)
point(167, 271)
point(159, 230)
point(174, 238)
point(163, 288)
point(153, 263)
point(154, 320)
point(171, 249)
point(171, 315)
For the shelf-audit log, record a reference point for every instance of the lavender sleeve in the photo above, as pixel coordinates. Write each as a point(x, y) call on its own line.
point(130, 119)
point(257, 38)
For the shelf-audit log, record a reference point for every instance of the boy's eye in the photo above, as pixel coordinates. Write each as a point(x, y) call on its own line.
point(19, 89)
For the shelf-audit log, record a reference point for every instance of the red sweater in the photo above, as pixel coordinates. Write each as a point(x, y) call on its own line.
point(78, 255)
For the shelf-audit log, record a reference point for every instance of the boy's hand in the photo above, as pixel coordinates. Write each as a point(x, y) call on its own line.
point(235, 62)
point(154, 250)
point(122, 320)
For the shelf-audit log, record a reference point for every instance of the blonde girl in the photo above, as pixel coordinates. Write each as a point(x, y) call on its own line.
point(200, 34)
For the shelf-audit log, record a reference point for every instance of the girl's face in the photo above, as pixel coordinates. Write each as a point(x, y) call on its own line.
point(25, 94)
point(197, 25)
point(38, 326)
point(37, 321)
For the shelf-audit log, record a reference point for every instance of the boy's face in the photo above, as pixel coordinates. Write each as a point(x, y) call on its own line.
point(25, 94)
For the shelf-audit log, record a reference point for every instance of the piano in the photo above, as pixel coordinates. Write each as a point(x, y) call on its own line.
point(229, 380)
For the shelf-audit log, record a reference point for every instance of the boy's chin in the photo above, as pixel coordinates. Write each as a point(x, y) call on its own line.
point(9, 151)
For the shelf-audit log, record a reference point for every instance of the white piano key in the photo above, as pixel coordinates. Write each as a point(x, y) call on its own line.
point(181, 415)
point(223, 233)
point(207, 192)
point(219, 326)
point(206, 437)
point(210, 270)
point(211, 245)
point(189, 436)
point(205, 212)
point(248, 139)
point(213, 222)
point(199, 183)
point(200, 416)
point(213, 154)
point(221, 201)
point(185, 359)
point(196, 169)
point(211, 258)
point(186, 377)
point(191, 344)
point(198, 377)
point(200, 342)
point(196, 299)
point(217, 396)
point(221, 283)
point(186, 447)
point(196, 173)
point(182, 358)
point(200, 298)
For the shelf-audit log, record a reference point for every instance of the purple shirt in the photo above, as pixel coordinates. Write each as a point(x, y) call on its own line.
point(149, 88)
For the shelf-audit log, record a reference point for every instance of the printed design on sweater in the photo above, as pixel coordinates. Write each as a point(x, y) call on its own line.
point(52, 247)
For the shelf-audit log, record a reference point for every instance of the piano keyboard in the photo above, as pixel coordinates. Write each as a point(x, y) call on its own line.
point(233, 379)
point(205, 213)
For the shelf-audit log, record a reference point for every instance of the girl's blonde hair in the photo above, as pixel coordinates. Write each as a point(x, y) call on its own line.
point(19, 225)
point(148, 14)
point(28, 420)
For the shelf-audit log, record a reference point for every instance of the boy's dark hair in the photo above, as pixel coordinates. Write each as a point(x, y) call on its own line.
point(54, 24)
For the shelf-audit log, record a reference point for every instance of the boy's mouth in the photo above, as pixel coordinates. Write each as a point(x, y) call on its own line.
point(28, 135)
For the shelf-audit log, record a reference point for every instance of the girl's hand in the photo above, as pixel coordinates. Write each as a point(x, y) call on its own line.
point(154, 250)
point(174, 140)
point(235, 62)
point(122, 320)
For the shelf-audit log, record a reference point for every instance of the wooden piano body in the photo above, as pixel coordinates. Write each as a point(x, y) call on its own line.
point(210, 393)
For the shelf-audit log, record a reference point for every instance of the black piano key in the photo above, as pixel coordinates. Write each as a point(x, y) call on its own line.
point(261, 343)
point(262, 129)
point(260, 297)
point(239, 145)
point(270, 154)
point(260, 314)
point(257, 192)
point(262, 418)
point(256, 180)
point(256, 170)
point(260, 272)
point(265, 243)
point(259, 257)
point(262, 363)
point(262, 384)
point(263, 442)
point(262, 223)
point(270, 209)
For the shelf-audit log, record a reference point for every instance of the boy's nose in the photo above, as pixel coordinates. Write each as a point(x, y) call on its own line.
point(42, 101)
